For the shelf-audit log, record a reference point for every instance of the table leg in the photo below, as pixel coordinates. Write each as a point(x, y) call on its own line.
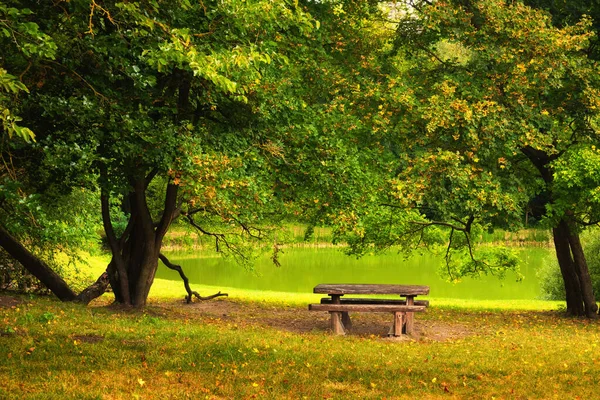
point(398, 323)
point(337, 325)
point(338, 319)
point(346, 320)
point(410, 321)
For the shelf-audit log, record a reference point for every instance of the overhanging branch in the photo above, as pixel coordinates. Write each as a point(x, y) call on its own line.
point(186, 281)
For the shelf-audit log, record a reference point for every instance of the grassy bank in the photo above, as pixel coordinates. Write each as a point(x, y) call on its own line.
point(182, 237)
point(51, 350)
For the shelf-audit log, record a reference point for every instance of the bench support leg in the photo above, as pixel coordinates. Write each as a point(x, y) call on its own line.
point(336, 323)
point(410, 317)
point(346, 320)
point(396, 329)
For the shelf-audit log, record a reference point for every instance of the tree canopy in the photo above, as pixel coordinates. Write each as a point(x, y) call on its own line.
point(490, 102)
point(411, 124)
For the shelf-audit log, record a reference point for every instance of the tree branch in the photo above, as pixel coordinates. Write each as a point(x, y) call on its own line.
point(447, 256)
point(116, 246)
point(168, 212)
point(186, 281)
point(219, 237)
point(95, 290)
point(141, 209)
point(439, 223)
point(151, 176)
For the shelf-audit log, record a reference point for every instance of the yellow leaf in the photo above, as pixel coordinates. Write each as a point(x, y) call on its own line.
point(141, 382)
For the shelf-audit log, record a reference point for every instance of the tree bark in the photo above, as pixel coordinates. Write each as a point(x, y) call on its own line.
point(54, 282)
point(136, 253)
point(567, 269)
point(93, 291)
point(37, 267)
point(583, 273)
point(569, 252)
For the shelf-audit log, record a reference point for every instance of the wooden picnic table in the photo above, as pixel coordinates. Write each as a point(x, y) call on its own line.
point(403, 309)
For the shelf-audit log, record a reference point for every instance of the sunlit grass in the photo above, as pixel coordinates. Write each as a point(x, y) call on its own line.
point(507, 349)
point(53, 350)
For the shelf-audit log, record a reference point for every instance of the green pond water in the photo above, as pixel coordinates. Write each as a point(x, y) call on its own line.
point(303, 268)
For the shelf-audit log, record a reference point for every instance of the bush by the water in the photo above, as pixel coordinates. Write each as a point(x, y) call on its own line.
point(552, 285)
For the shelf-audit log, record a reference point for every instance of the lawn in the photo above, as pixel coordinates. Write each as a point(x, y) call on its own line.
point(256, 345)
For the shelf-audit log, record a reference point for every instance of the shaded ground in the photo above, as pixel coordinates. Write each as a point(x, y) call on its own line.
point(300, 320)
point(9, 301)
point(288, 318)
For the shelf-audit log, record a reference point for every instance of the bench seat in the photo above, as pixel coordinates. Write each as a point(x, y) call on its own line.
point(365, 307)
point(327, 300)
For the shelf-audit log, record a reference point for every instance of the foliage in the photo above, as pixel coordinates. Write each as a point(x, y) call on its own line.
point(15, 278)
point(25, 37)
point(477, 94)
point(179, 108)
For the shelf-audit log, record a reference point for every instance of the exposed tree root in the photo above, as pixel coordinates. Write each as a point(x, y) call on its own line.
point(96, 289)
point(186, 282)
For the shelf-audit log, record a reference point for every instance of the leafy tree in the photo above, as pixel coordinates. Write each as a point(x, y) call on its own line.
point(488, 102)
point(146, 100)
point(228, 114)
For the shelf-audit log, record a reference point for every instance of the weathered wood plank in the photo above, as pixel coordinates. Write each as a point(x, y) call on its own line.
point(336, 323)
point(355, 300)
point(410, 317)
point(402, 290)
point(345, 321)
point(365, 307)
point(398, 316)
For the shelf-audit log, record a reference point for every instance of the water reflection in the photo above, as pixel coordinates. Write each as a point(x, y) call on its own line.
point(303, 268)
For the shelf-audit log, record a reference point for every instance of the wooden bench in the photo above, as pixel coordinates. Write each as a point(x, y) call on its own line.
point(354, 300)
point(403, 309)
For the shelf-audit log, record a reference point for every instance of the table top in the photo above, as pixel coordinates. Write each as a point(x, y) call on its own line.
point(402, 290)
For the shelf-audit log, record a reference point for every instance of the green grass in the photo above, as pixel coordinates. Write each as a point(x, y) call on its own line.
point(493, 349)
point(292, 234)
point(53, 350)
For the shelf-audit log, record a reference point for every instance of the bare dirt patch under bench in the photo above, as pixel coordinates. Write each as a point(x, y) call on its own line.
point(300, 320)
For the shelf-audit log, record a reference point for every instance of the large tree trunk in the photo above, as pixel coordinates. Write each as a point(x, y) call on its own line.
point(135, 254)
point(567, 269)
point(583, 273)
point(54, 282)
point(574, 269)
point(37, 267)
point(571, 259)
